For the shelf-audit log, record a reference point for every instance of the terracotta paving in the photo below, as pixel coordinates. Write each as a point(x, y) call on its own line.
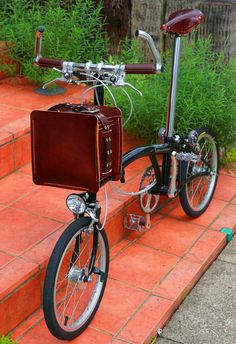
point(150, 272)
point(17, 100)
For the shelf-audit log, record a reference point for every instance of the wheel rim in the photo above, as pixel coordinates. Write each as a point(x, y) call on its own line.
point(74, 299)
point(148, 201)
point(200, 190)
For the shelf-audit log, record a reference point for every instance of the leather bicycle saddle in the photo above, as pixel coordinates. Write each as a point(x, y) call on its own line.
point(183, 21)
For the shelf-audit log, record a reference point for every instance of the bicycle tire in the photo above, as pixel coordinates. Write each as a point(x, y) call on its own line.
point(67, 326)
point(206, 140)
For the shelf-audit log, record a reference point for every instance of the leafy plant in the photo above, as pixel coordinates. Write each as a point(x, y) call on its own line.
point(73, 32)
point(229, 159)
point(206, 94)
point(6, 340)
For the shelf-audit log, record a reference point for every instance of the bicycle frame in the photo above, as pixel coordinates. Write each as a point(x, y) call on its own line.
point(166, 181)
point(153, 149)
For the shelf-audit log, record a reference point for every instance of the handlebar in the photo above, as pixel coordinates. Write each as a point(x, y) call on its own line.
point(141, 69)
point(145, 36)
point(70, 67)
point(129, 68)
point(49, 63)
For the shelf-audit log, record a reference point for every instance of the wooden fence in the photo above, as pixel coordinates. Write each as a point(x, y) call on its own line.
point(220, 23)
point(125, 16)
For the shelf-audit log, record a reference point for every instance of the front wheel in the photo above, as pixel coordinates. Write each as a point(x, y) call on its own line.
point(197, 192)
point(71, 296)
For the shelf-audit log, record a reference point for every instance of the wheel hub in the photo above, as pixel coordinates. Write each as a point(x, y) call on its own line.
point(76, 275)
point(197, 169)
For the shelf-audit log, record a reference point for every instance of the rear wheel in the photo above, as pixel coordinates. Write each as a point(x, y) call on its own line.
point(70, 298)
point(195, 196)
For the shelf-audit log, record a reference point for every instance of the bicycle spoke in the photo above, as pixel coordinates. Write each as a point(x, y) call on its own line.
point(65, 306)
point(73, 304)
point(73, 264)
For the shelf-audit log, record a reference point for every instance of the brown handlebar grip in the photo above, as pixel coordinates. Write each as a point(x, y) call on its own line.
point(140, 68)
point(50, 63)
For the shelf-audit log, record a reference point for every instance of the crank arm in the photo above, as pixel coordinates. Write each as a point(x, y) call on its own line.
point(147, 221)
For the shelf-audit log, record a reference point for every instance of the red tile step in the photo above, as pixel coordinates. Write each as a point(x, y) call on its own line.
point(154, 301)
point(151, 272)
point(17, 100)
point(32, 218)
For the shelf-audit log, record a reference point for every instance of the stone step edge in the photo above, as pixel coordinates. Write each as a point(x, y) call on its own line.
point(14, 146)
point(15, 136)
point(33, 281)
point(34, 319)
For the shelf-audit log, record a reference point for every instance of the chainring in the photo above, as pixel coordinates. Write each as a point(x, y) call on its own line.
point(148, 202)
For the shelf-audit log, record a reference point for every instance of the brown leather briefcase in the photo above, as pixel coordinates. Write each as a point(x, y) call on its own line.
point(75, 146)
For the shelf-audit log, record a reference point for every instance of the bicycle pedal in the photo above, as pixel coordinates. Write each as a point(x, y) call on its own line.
point(136, 222)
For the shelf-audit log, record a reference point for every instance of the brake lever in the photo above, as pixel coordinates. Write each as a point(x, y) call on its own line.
point(62, 78)
point(119, 81)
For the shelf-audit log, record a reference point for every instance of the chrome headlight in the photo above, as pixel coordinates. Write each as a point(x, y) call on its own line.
point(76, 204)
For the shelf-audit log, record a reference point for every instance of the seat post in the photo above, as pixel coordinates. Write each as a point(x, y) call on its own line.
point(173, 88)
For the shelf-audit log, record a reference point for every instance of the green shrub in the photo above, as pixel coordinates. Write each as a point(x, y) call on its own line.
point(206, 94)
point(229, 159)
point(73, 32)
point(6, 340)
